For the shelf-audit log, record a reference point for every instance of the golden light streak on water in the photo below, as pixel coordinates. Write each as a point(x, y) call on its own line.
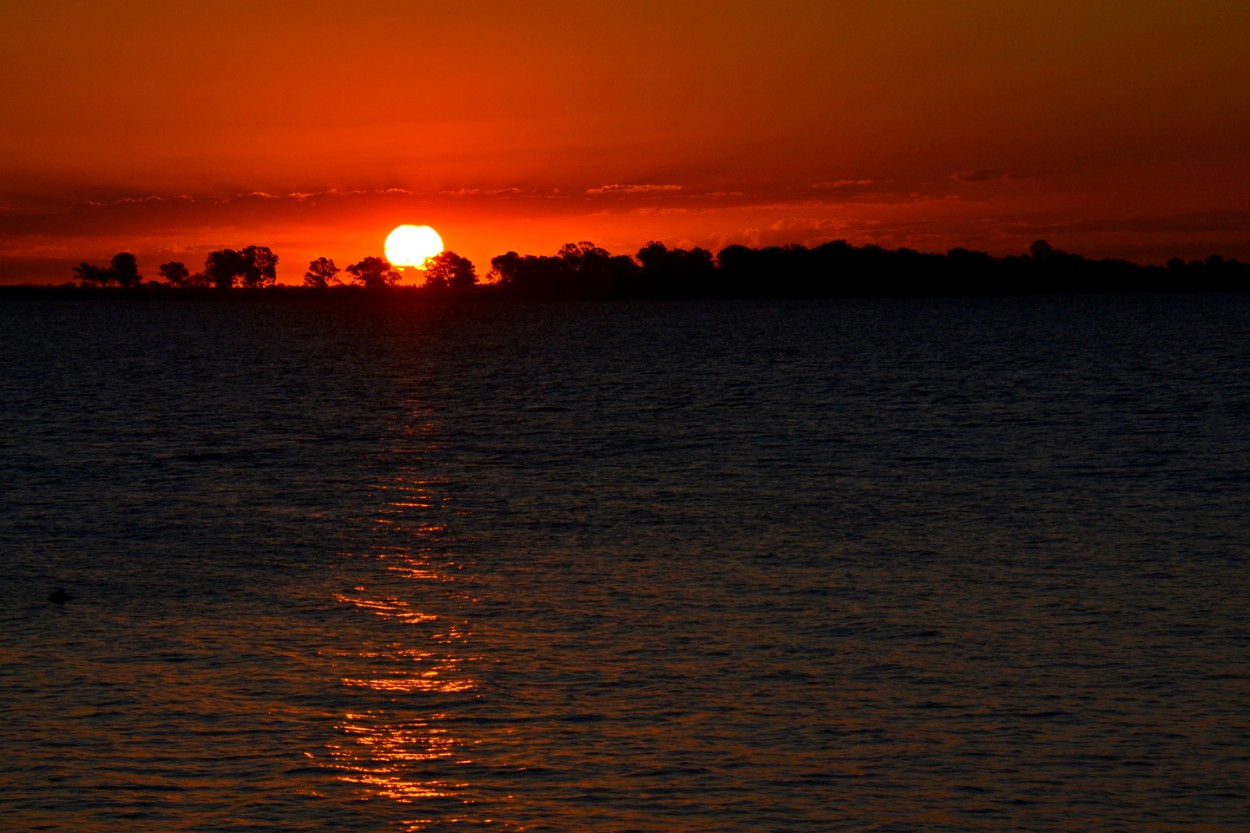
point(382, 756)
point(390, 607)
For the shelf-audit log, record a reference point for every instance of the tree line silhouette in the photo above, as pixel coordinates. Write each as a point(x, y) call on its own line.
point(257, 266)
point(833, 269)
point(254, 266)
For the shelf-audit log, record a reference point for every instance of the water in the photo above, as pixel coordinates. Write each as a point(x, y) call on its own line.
point(835, 566)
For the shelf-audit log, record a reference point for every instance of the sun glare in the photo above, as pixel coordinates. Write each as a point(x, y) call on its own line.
point(412, 245)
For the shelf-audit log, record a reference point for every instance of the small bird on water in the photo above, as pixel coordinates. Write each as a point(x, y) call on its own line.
point(60, 596)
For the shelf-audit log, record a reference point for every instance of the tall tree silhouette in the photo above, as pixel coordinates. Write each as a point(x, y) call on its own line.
point(89, 273)
point(505, 269)
point(254, 266)
point(125, 269)
point(594, 272)
point(321, 273)
point(222, 267)
point(260, 266)
point(449, 270)
point(675, 272)
point(122, 269)
point(373, 273)
point(175, 273)
point(1040, 250)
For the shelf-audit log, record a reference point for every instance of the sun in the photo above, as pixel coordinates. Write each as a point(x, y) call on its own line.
point(412, 245)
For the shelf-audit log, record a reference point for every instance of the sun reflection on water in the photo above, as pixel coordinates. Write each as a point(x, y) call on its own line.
point(382, 757)
point(397, 744)
point(393, 608)
point(429, 672)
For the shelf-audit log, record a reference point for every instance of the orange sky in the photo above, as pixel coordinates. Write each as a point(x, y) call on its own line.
point(1109, 128)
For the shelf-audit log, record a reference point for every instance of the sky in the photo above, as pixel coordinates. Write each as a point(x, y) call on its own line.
point(170, 129)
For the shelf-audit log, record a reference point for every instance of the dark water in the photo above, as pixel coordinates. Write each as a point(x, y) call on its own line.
point(844, 566)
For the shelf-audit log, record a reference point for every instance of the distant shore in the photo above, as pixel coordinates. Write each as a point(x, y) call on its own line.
point(835, 269)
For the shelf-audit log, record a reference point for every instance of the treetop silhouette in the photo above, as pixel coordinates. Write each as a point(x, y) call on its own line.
point(122, 270)
point(448, 270)
point(374, 273)
point(321, 273)
point(255, 266)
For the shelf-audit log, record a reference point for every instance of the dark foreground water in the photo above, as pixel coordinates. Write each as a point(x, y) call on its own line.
point(836, 566)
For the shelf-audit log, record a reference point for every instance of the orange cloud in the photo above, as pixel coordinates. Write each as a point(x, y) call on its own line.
point(841, 183)
point(634, 189)
point(986, 176)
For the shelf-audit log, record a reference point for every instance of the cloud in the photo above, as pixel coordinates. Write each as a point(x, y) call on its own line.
point(991, 175)
point(461, 193)
point(841, 183)
point(152, 198)
point(633, 189)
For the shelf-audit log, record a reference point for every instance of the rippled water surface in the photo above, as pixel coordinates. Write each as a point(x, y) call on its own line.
point(837, 566)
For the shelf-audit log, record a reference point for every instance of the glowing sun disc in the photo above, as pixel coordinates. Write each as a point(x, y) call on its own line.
point(412, 245)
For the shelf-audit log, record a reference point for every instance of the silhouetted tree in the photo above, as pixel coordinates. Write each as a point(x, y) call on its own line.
point(449, 270)
point(738, 270)
point(1040, 250)
point(966, 271)
point(122, 269)
point(504, 269)
point(89, 273)
point(669, 273)
point(223, 266)
point(260, 266)
point(373, 273)
point(653, 255)
point(321, 273)
point(254, 266)
point(589, 271)
point(175, 273)
point(531, 275)
point(125, 269)
point(580, 253)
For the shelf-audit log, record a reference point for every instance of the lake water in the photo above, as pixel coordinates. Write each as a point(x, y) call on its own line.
point(925, 565)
